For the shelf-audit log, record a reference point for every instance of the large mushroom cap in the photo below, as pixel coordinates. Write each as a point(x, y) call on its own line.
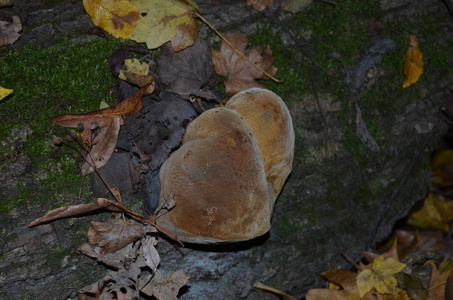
point(270, 121)
point(218, 182)
point(228, 172)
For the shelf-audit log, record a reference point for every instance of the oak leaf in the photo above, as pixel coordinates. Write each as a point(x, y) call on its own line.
point(241, 74)
point(117, 17)
point(381, 276)
point(166, 20)
point(413, 66)
point(101, 127)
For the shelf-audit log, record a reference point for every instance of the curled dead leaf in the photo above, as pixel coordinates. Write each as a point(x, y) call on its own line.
point(101, 127)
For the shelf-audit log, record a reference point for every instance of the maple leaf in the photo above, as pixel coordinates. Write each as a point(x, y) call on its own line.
point(260, 5)
point(136, 72)
point(165, 287)
point(413, 66)
point(4, 92)
point(241, 74)
point(101, 128)
point(118, 17)
point(381, 276)
point(166, 20)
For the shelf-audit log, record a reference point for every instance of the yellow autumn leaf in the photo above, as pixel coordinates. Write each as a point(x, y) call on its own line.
point(441, 164)
point(436, 213)
point(413, 66)
point(117, 17)
point(380, 276)
point(166, 20)
point(4, 92)
point(136, 72)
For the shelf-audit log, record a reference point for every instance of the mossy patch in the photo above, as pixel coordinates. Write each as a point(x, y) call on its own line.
point(67, 77)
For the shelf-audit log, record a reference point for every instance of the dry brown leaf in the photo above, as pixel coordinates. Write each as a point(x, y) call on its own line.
point(241, 74)
point(438, 282)
point(9, 31)
point(343, 278)
point(101, 128)
point(114, 234)
point(80, 209)
point(260, 5)
point(166, 287)
point(150, 254)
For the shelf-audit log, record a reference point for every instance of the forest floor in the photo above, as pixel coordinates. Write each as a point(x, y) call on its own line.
point(346, 168)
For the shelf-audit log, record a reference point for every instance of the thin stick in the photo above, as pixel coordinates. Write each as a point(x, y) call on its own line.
point(234, 48)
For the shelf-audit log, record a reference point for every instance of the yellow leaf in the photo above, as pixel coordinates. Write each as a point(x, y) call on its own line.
point(436, 213)
point(117, 17)
point(4, 92)
point(413, 66)
point(441, 163)
point(136, 72)
point(166, 20)
point(380, 276)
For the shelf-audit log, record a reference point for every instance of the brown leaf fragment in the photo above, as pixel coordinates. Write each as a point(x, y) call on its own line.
point(114, 234)
point(241, 74)
point(343, 278)
point(9, 30)
point(74, 210)
point(260, 5)
point(80, 209)
point(165, 287)
point(101, 128)
point(111, 260)
point(150, 254)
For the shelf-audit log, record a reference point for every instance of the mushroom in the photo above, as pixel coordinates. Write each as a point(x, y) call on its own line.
point(269, 118)
point(226, 175)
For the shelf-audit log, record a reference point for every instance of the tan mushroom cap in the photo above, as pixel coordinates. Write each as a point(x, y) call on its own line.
point(270, 121)
point(218, 181)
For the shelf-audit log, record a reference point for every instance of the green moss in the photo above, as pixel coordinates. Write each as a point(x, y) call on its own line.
point(67, 77)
